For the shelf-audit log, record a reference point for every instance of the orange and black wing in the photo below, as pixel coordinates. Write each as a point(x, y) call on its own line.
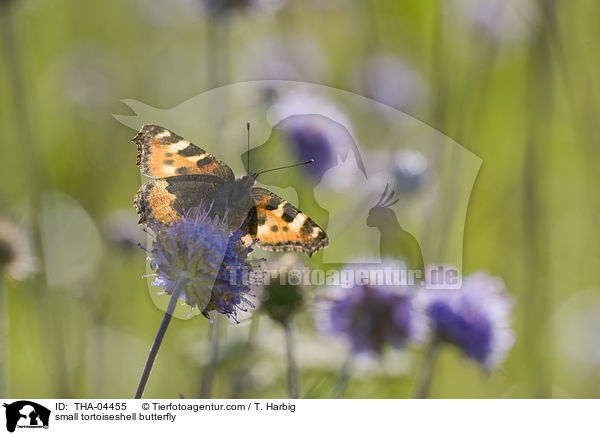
point(162, 153)
point(164, 200)
point(280, 226)
point(188, 176)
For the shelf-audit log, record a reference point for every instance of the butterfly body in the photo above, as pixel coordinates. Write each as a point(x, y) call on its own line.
point(187, 177)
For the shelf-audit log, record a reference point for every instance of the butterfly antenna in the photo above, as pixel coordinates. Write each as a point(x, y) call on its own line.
point(285, 167)
point(248, 151)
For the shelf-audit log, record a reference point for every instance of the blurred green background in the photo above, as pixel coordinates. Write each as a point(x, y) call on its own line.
point(515, 82)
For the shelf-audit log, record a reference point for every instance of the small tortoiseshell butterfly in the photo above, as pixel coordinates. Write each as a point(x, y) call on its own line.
point(186, 176)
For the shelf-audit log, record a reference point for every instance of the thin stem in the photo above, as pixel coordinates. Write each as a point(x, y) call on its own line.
point(212, 59)
point(35, 172)
point(99, 358)
point(343, 377)
point(292, 363)
point(210, 368)
point(159, 338)
point(16, 71)
point(3, 340)
point(245, 363)
point(542, 101)
point(426, 376)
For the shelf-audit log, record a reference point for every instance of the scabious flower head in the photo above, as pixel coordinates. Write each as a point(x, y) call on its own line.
point(212, 261)
point(475, 318)
point(15, 254)
point(370, 316)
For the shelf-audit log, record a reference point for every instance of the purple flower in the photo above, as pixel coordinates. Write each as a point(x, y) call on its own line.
point(410, 170)
point(120, 227)
point(500, 20)
point(369, 317)
point(475, 318)
point(210, 258)
point(310, 141)
point(320, 138)
point(220, 8)
point(314, 128)
point(271, 57)
point(391, 81)
point(16, 258)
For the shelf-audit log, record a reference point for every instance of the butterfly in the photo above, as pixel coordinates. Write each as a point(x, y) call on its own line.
point(185, 176)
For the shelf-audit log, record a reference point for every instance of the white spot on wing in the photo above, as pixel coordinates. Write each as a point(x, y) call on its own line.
point(178, 146)
point(195, 159)
point(299, 220)
point(279, 210)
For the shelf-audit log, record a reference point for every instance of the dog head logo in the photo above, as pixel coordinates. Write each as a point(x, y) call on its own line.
point(26, 414)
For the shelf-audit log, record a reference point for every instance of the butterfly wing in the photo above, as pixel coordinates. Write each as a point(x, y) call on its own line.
point(187, 176)
point(162, 153)
point(280, 226)
point(162, 201)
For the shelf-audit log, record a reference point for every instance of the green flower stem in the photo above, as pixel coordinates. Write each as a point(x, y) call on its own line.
point(211, 366)
point(244, 364)
point(292, 362)
point(343, 377)
point(426, 375)
point(3, 340)
point(159, 338)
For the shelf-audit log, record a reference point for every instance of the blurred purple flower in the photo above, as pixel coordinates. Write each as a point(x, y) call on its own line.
point(316, 128)
point(410, 170)
point(16, 258)
point(314, 136)
point(210, 258)
point(220, 8)
point(310, 141)
point(121, 228)
point(89, 78)
point(282, 59)
point(369, 317)
point(475, 318)
point(500, 20)
point(389, 80)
